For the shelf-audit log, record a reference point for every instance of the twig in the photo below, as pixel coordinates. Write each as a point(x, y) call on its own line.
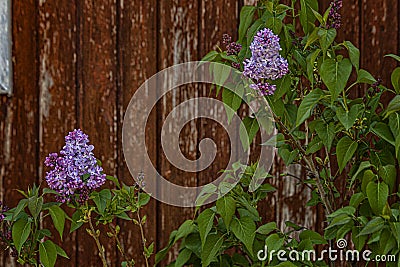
point(308, 160)
point(95, 236)
point(119, 244)
point(142, 236)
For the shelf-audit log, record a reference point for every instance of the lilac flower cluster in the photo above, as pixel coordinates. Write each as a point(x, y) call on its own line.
point(75, 172)
point(264, 88)
point(335, 18)
point(265, 63)
point(232, 48)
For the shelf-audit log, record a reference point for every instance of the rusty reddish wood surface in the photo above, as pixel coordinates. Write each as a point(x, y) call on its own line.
point(78, 63)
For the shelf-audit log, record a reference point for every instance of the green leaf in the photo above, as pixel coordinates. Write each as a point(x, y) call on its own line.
point(266, 229)
point(372, 226)
point(348, 210)
point(20, 232)
point(274, 242)
point(307, 105)
point(313, 37)
point(356, 199)
point(314, 146)
point(307, 17)
point(326, 38)
point(396, 57)
point(326, 132)
point(348, 118)
point(248, 130)
point(345, 150)
point(205, 223)
point(315, 237)
point(20, 207)
point(35, 205)
point(388, 174)
point(143, 199)
point(58, 217)
point(282, 86)
point(220, 73)
point(210, 56)
point(186, 228)
point(393, 106)
point(363, 165)
point(394, 123)
point(382, 130)
point(354, 54)
point(395, 78)
point(246, 17)
point(183, 257)
point(335, 75)
point(377, 194)
point(244, 229)
point(358, 241)
point(101, 198)
point(365, 77)
point(76, 224)
point(61, 252)
point(226, 207)
point(211, 248)
point(232, 102)
point(47, 253)
point(275, 24)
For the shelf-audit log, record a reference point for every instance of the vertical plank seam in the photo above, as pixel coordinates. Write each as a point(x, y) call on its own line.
point(119, 102)
point(77, 92)
point(37, 66)
point(199, 46)
point(158, 118)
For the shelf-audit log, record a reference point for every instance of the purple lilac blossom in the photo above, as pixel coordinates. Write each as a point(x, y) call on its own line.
point(335, 18)
point(75, 171)
point(264, 88)
point(265, 62)
point(226, 39)
point(233, 48)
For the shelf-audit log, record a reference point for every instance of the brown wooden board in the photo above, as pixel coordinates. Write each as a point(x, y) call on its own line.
point(137, 61)
point(19, 167)
point(57, 86)
point(177, 43)
point(97, 111)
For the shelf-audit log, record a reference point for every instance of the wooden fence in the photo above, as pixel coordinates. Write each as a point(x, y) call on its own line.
point(78, 63)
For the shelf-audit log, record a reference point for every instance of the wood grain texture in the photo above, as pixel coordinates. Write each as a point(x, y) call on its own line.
point(19, 167)
point(137, 61)
point(178, 43)
point(97, 112)
point(379, 36)
point(217, 18)
point(57, 86)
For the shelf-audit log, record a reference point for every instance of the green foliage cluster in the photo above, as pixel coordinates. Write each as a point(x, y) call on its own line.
point(333, 136)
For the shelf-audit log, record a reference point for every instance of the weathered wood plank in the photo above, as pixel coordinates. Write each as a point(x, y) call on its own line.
point(97, 109)
point(178, 43)
point(217, 18)
point(379, 36)
point(19, 167)
point(137, 57)
point(57, 85)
